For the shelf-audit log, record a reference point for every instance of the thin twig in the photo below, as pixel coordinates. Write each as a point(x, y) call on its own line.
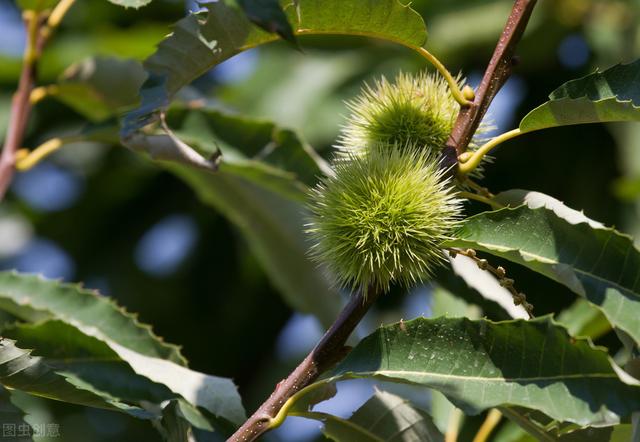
point(494, 78)
point(328, 352)
point(39, 30)
point(500, 273)
point(20, 105)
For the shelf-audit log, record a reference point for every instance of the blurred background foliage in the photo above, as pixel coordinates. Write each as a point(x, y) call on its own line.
point(97, 213)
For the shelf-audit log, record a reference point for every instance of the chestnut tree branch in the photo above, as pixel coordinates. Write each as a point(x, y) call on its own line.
point(20, 104)
point(494, 78)
point(330, 350)
point(40, 27)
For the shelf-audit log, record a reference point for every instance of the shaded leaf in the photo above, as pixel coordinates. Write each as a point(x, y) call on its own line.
point(173, 426)
point(257, 150)
point(384, 417)
point(14, 417)
point(148, 356)
point(481, 364)
point(95, 315)
point(99, 87)
point(268, 14)
point(598, 263)
point(583, 319)
point(547, 430)
point(201, 41)
point(68, 350)
point(21, 371)
point(274, 229)
point(612, 95)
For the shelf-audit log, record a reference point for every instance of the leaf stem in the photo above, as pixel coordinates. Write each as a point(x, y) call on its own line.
point(58, 13)
point(456, 92)
point(483, 199)
point(468, 161)
point(330, 350)
point(26, 160)
point(492, 419)
point(279, 418)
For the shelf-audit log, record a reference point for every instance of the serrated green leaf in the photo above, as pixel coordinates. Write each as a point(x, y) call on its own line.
point(201, 41)
point(384, 417)
point(68, 350)
point(173, 426)
point(21, 371)
point(147, 355)
point(13, 417)
point(481, 364)
point(95, 315)
point(99, 87)
point(598, 263)
point(612, 95)
point(256, 150)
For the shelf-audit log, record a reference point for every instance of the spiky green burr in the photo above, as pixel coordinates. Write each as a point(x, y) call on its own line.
point(382, 217)
point(415, 109)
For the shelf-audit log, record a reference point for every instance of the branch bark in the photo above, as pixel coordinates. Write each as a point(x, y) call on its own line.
point(494, 78)
point(330, 350)
point(20, 104)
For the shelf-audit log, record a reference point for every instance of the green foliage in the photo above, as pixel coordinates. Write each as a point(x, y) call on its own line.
point(206, 40)
point(597, 263)
point(87, 331)
point(416, 110)
point(100, 87)
point(612, 95)
point(384, 417)
point(481, 364)
point(268, 14)
point(382, 217)
point(14, 417)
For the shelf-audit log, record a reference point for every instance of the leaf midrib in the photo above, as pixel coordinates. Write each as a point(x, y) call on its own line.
point(404, 373)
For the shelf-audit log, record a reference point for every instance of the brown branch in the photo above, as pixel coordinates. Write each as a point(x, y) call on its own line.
point(38, 33)
point(330, 350)
point(20, 104)
point(494, 78)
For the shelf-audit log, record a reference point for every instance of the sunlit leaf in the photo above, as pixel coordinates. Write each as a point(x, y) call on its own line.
point(595, 262)
point(612, 95)
point(481, 364)
point(201, 41)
